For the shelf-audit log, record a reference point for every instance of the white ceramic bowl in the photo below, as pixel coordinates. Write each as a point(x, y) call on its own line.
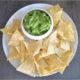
point(40, 37)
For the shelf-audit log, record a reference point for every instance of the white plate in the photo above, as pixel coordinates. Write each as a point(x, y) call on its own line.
point(19, 14)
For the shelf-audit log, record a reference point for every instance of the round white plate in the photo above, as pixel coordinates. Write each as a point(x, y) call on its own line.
point(19, 15)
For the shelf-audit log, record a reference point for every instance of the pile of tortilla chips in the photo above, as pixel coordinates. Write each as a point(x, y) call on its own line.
point(45, 56)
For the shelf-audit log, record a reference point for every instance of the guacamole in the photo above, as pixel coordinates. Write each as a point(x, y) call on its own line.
point(36, 22)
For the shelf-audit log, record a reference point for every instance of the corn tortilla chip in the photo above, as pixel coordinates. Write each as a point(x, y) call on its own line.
point(16, 38)
point(56, 12)
point(34, 46)
point(27, 67)
point(65, 45)
point(13, 54)
point(48, 64)
point(65, 30)
point(65, 59)
point(9, 30)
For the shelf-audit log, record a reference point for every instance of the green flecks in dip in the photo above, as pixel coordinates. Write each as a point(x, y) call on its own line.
point(37, 22)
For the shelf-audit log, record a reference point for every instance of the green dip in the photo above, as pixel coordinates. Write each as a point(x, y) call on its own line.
point(37, 22)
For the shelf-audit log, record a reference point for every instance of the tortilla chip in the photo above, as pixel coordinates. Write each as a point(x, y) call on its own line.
point(56, 18)
point(65, 45)
point(13, 54)
point(17, 42)
point(16, 38)
point(37, 57)
point(45, 43)
point(48, 64)
point(23, 57)
point(34, 47)
point(18, 48)
point(40, 65)
point(54, 43)
point(56, 12)
point(50, 44)
point(53, 62)
point(51, 49)
point(24, 51)
point(59, 51)
point(65, 59)
point(50, 41)
point(24, 46)
point(9, 30)
point(65, 31)
point(27, 67)
point(54, 39)
point(55, 8)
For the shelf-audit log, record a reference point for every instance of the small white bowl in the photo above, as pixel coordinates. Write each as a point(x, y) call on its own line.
point(40, 37)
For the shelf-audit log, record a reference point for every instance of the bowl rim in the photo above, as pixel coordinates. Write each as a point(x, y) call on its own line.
point(40, 37)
